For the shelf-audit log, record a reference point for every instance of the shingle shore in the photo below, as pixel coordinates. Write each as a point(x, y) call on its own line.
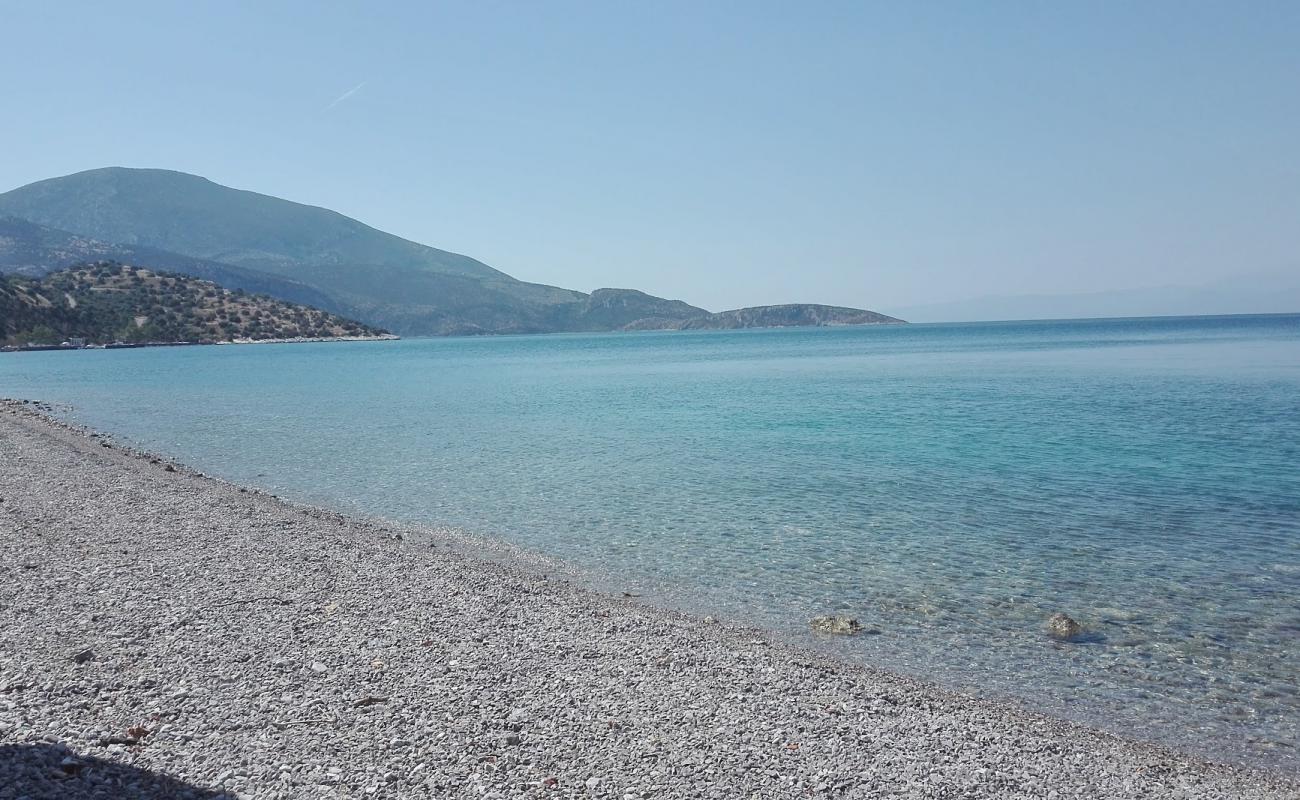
point(180, 635)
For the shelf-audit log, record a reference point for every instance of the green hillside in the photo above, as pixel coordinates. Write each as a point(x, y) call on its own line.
point(108, 302)
point(35, 250)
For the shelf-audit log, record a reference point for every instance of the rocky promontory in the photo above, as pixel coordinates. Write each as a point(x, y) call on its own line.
point(792, 315)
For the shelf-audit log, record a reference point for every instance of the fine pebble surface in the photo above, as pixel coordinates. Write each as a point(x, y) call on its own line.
point(164, 634)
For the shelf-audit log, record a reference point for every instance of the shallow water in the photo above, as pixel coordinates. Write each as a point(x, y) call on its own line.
point(949, 485)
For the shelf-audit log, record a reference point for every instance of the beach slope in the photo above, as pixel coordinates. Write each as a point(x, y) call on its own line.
point(164, 634)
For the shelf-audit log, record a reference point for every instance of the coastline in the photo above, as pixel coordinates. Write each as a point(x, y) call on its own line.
point(386, 337)
point(276, 650)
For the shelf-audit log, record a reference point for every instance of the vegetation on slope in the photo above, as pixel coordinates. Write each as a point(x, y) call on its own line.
point(108, 302)
point(35, 250)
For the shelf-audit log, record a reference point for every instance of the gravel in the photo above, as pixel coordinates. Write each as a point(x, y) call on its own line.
point(166, 634)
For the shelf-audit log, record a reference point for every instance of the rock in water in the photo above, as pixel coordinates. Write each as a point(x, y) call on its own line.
point(844, 626)
point(1062, 628)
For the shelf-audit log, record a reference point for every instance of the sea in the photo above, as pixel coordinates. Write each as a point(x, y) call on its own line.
point(951, 486)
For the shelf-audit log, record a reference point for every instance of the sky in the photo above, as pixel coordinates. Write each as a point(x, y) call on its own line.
point(729, 154)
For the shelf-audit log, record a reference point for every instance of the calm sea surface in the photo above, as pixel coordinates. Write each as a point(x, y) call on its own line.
point(949, 485)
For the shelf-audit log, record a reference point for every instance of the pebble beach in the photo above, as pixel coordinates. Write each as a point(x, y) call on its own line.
point(167, 634)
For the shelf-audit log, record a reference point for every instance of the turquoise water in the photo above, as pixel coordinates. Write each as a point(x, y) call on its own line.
point(949, 485)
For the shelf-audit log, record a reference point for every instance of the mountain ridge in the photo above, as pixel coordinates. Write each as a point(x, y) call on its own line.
point(329, 260)
point(255, 221)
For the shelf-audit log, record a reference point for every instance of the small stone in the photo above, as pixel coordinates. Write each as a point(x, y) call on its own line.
point(513, 739)
point(83, 656)
point(1062, 628)
point(319, 667)
point(840, 626)
point(593, 782)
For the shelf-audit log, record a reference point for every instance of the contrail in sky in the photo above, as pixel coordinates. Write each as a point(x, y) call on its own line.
point(345, 95)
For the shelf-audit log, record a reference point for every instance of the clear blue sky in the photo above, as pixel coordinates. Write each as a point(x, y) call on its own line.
point(725, 153)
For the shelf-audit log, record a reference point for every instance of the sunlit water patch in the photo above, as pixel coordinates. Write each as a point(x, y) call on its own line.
point(951, 486)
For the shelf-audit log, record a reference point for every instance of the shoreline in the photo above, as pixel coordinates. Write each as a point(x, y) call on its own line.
point(243, 633)
point(40, 348)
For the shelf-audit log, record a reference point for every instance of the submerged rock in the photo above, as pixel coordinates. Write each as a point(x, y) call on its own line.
point(1062, 628)
point(843, 626)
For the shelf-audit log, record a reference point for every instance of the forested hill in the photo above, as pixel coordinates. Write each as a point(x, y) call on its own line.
point(107, 302)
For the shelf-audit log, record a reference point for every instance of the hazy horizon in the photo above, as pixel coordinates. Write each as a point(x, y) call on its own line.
point(887, 158)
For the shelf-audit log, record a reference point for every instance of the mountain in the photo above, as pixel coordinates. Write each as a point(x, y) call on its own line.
point(171, 220)
point(34, 250)
point(108, 302)
point(781, 316)
point(364, 272)
point(193, 216)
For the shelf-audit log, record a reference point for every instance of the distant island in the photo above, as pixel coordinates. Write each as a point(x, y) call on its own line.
point(111, 304)
point(169, 221)
point(782, 316)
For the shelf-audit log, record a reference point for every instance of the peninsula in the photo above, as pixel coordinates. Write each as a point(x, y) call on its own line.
point(796, 315)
